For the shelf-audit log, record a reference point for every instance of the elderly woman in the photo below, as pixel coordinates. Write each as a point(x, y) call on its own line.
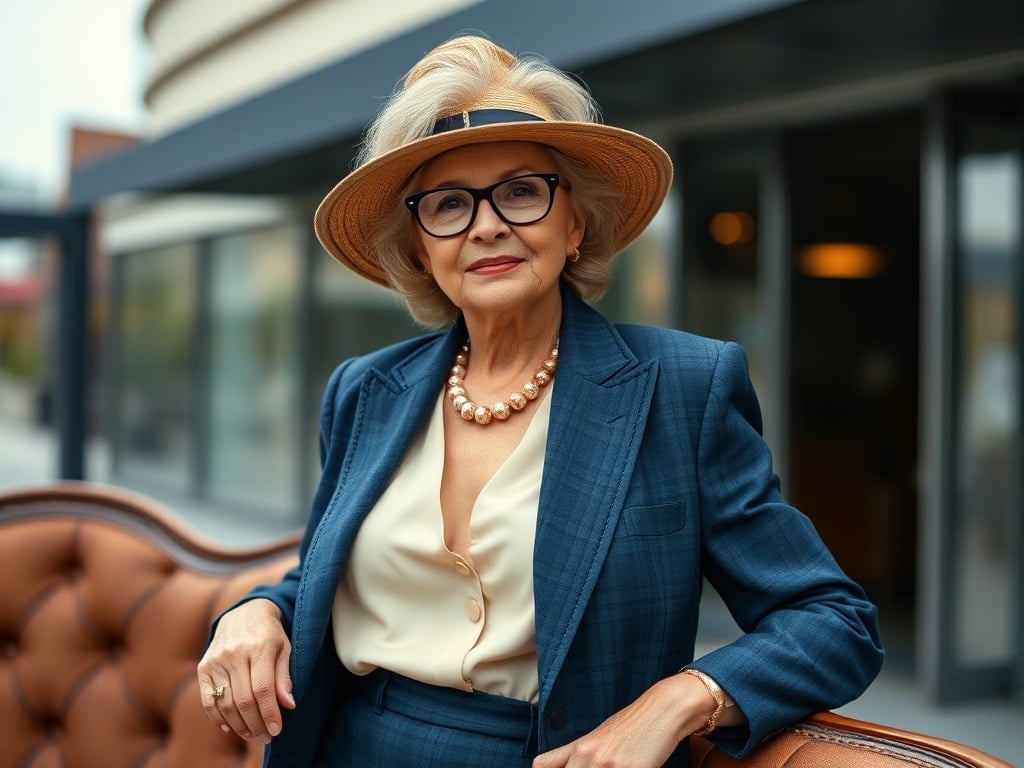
point(504, 561)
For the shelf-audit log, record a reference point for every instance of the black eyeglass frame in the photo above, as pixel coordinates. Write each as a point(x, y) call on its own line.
point(412, 202)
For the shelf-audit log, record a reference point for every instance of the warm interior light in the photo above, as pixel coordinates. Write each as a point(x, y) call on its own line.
point(732, 227)
point(840, 260)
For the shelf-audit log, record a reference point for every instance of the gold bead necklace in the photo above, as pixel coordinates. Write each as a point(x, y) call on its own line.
point(502, 409)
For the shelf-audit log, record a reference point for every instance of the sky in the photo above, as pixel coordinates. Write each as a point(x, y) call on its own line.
point(64, 62)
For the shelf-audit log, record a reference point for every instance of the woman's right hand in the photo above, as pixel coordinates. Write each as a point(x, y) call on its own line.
point(248, 661)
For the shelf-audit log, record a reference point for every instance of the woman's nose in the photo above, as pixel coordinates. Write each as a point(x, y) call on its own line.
point(487, 224)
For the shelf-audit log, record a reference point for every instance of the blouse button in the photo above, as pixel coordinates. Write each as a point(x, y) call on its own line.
point(473, 610)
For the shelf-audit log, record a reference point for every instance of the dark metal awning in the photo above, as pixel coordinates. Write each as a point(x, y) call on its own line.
point(303, 133)
point(642, 60)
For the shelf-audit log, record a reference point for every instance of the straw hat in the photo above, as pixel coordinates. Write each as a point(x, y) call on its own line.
point(637, 167)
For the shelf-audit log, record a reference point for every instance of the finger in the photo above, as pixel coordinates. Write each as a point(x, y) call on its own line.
point(555, 758)
point(206, 689)
point(225, 704)
point(264, 688)
point(283, 684)
point(247, 706)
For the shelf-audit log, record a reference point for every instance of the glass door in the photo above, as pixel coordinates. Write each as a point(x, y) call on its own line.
point(976, 555)
point(854, 341)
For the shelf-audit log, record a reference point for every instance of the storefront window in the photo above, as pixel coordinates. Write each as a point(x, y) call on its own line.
point(153, 406)
point(720, 264)
point(646, 275)
point(254, 367)
point(989, 176)
point(350, 316)
point(854, 310)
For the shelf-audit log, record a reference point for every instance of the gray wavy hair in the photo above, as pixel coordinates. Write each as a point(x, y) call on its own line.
point(457, 72)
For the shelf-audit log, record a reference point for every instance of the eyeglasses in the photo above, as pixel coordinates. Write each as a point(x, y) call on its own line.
point(450, 211)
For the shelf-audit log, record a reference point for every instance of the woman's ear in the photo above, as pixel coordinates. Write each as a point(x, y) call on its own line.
point(577, 227)
point(416, 244)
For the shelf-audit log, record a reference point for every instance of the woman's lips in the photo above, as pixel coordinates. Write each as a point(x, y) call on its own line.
point(494, 266)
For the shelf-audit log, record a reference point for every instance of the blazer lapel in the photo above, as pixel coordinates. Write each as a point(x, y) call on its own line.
point(391, 408)
point(602, 395)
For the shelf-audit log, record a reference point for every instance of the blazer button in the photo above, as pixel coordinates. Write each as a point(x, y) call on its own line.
point(556, 720)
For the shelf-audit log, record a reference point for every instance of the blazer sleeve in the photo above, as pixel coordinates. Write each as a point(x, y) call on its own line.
point(811, 639)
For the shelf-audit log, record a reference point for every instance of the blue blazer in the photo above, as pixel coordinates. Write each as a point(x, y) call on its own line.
point(655, 477)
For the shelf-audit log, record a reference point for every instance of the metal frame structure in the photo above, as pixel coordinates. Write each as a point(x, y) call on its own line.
point(71, 230)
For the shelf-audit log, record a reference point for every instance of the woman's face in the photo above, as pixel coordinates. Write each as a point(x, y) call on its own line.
point(496, 267)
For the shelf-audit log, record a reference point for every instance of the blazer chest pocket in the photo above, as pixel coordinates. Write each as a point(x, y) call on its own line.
point(654, 519)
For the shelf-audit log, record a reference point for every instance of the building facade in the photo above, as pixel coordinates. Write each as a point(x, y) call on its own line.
point(848, 206)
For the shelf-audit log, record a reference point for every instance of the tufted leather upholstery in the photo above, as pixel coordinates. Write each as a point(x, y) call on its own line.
point(105, 601)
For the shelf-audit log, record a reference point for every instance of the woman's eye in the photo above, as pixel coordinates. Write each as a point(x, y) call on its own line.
point(452, 202)
point(521, 190)
point(448, 203)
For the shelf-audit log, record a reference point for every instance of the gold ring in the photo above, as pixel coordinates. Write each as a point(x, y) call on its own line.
point(218, 692)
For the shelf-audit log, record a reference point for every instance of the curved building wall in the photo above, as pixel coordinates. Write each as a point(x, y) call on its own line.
point(206, 56)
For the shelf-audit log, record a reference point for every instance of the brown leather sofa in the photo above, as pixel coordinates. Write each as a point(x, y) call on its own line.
point(105, 600)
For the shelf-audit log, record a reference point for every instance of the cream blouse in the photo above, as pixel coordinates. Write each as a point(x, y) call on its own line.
point(409, 604)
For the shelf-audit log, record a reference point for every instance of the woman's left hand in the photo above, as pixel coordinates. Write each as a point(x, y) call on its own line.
point(644, 734)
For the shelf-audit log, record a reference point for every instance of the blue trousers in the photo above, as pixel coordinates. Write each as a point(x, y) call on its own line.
point(395, 722)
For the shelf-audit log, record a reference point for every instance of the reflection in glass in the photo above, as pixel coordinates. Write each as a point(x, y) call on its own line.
point(350, 316)
point(254, 367)
point(153, 408)
point(990, 200)
point(644, 276)
point(720, 263)
point(853, 358)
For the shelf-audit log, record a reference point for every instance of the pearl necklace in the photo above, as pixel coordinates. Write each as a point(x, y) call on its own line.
point(502, 409)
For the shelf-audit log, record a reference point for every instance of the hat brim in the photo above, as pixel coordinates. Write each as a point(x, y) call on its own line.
point(637, 167)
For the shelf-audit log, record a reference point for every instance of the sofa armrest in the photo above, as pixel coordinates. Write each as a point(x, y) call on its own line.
point(107, 600)
point(835, 741)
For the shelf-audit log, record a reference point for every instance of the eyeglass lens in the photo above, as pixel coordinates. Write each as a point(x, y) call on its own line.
point(450, 211)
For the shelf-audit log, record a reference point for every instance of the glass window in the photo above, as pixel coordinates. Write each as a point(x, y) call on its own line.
point(153, 408)
point(646, 274)
point(720, 182)
point(720, 264)
point(351, 316)
point(254, 367)
point(854, 338)
point(988, 177)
